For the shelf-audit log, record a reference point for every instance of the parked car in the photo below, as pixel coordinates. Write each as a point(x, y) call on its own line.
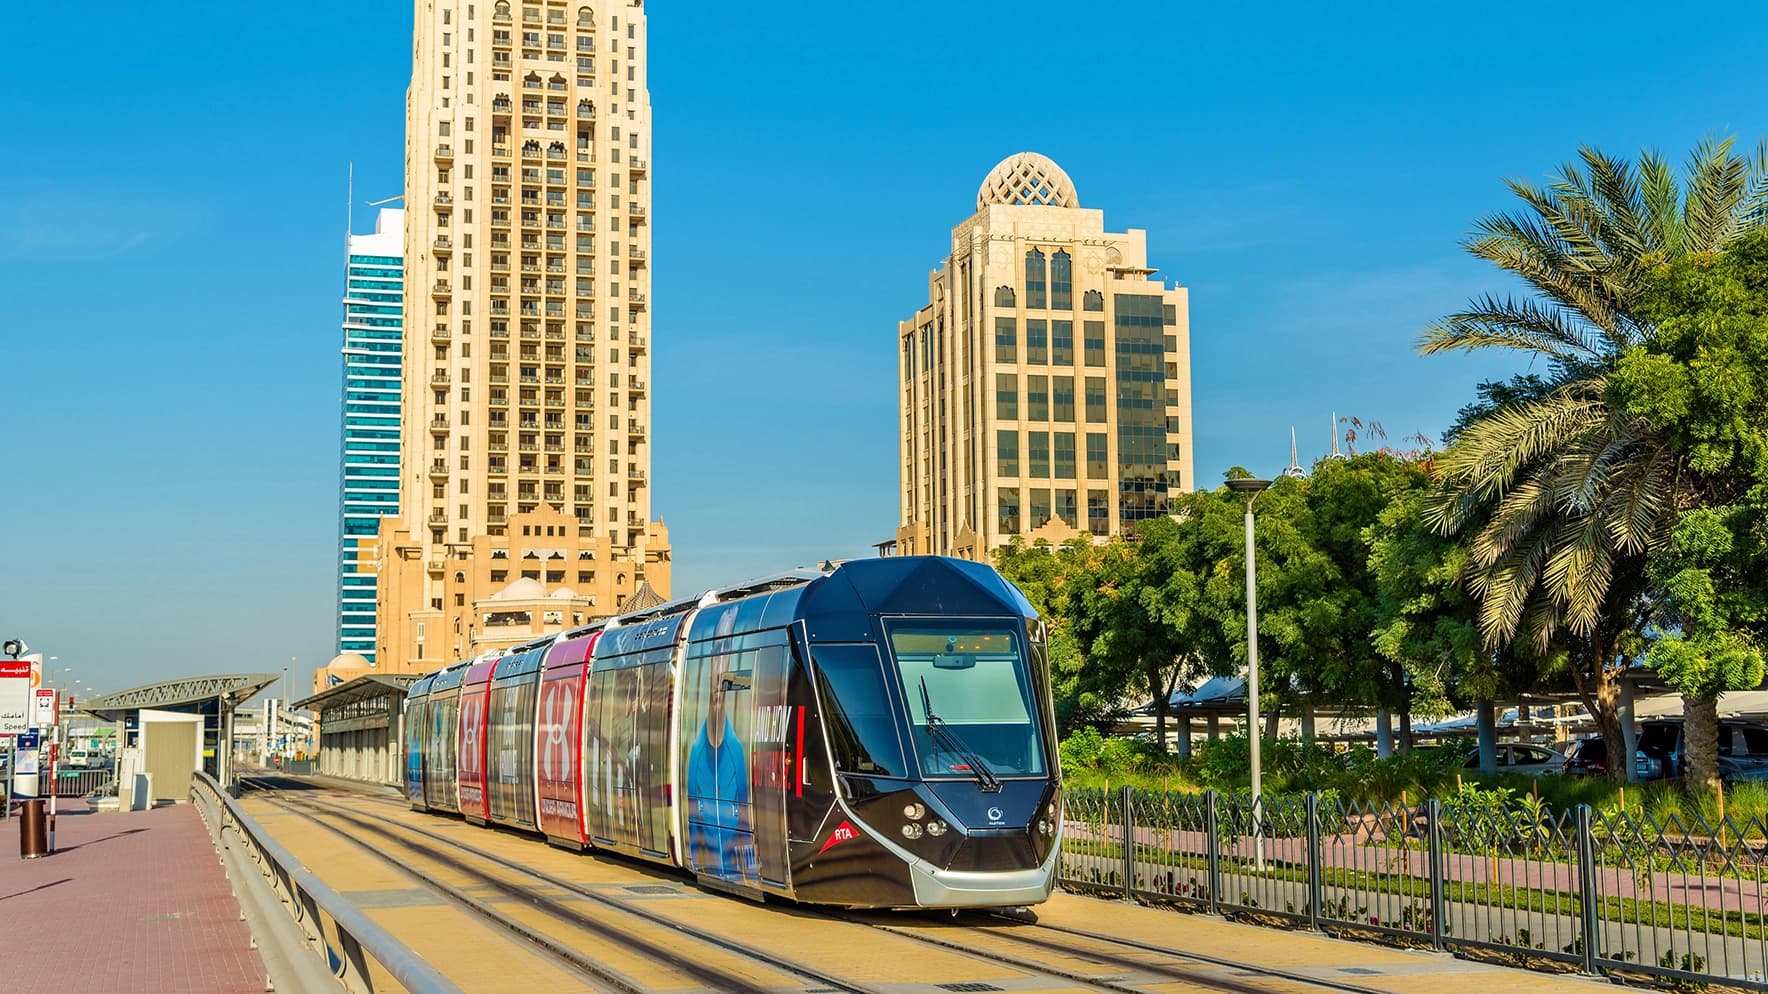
point(1589, 758)
point(1520, 757)
point(1743, 749)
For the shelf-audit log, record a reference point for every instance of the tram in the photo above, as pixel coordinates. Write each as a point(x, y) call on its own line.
point(878, 735)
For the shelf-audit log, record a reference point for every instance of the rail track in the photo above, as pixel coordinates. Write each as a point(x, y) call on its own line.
point(1069, 958)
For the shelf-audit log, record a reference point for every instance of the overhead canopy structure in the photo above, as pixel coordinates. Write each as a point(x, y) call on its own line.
point(360, 689)
point(362, 726)
point(189, 693)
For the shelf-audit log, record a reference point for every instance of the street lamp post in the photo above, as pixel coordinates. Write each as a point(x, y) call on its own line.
point(1250, 488)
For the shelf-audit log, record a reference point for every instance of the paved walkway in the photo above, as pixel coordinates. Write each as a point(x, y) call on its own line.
point(132, 903)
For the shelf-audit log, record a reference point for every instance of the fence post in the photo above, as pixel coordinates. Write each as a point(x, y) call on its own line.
point(1129, 844)
point(1212, 824)
point(1316, 890)
point(1587, 897)
point(1439, 904)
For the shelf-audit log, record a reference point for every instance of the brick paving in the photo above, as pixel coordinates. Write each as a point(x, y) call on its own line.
point(131, 903)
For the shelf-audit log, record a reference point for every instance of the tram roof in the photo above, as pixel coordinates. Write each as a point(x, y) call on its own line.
point(233, 689)
point(359, 689)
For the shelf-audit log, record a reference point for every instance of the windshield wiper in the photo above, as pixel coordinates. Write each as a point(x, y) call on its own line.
point(936, 726)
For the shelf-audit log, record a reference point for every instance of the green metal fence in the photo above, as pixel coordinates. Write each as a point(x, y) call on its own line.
point(1608, 892)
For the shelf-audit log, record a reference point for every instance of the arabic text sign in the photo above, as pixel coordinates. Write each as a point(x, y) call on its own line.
point(44, 716)
point(15, 695)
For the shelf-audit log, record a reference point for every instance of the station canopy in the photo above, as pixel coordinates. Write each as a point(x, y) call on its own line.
point(359, 689)
point(186, 694)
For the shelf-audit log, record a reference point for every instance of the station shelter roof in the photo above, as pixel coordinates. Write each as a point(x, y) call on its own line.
point(191, 694)
point(359, 689)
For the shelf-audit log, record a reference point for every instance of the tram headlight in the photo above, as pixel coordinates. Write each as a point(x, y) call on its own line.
point(914, 811)
point(911, 831)
point(1043, 826)
point(936, 828)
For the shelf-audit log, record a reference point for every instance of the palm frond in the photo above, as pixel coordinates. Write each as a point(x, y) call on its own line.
point(1524, 325)
point(1717, 182)
point(1663, 204)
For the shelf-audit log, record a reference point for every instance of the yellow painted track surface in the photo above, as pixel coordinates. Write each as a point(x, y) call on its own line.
point(479, 957)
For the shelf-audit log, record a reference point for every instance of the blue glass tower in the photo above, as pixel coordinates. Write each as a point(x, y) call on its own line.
point(368, 485)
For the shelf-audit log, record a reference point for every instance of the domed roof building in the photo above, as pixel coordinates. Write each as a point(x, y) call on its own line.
point(1046, 385)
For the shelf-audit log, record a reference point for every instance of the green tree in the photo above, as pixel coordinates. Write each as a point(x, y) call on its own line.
point(1052, 579)
point(1345, 499)
point(1699, 384)
point(1565, 493)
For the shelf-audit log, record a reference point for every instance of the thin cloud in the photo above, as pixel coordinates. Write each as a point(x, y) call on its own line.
point(76, 227)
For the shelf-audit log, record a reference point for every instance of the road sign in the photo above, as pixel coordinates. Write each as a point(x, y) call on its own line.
point(15, 696)
point(43, 715)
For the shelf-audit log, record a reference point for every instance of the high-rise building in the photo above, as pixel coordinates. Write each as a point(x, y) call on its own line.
point(368, 477)
point(524, 497)
point(1046, 385)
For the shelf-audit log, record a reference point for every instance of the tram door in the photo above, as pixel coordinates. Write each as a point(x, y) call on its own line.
point(772, 762)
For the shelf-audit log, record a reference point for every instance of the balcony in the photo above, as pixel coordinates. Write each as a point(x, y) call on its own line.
point(635, 165)
point(638, 343)
point(439, 467)
point(444, 198)
point(500, 151)
point(498, 447)
point(637, 213)
point(439, 378)
point(438, 517)
point(635, 429)
point(441, 289)
point(636, 477)
point(443, 244)
point(439, 423)
point(444, 153)
point(439, 333)
point(638, 256)
point(635, 384)
point(635, 300)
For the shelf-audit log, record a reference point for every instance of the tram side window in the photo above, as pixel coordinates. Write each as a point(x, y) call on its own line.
point(857, 713)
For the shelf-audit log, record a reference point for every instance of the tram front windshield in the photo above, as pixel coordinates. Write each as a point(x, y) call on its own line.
point(974, 679)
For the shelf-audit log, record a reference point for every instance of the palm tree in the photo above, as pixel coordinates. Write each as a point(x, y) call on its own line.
point(1563, 493)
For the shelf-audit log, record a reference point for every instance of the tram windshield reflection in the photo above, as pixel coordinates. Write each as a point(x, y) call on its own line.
point(977, 679)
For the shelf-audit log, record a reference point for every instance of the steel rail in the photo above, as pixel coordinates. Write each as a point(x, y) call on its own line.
point(562, 912)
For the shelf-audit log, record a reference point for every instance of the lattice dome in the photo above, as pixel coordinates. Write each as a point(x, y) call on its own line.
point(1027, 178)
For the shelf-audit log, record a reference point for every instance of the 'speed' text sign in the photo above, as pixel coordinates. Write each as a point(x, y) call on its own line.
point(15, 696)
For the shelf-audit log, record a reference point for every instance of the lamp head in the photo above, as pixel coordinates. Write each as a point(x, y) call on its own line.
point(15, 647)
point(1248, 485)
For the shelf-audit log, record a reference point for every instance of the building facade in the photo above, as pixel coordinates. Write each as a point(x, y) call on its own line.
point(368, 476)
point(527, 410)
point(1045, 388)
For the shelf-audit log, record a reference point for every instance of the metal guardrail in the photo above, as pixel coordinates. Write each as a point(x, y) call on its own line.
point(309, 933)
point(1676, 898)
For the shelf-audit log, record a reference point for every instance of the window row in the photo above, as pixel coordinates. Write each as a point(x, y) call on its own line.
point(1046, 503)
point(1048, 343)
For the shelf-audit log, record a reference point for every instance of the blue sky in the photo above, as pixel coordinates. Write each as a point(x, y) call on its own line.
point(172, 206)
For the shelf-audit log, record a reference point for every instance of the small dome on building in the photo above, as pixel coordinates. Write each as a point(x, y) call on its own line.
point(349, 660)
point(524, 589)
point(563, 594)
point(1027, 178)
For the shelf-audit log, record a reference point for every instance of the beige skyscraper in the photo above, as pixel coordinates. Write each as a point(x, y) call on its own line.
point(1046, 386)
point(525, 464)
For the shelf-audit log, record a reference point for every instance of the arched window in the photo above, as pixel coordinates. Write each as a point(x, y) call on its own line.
point(1061, 282)
point(502, 10)
point(586, 18)
point(1093, 300)
point(1034, 280)
point(1004, 296)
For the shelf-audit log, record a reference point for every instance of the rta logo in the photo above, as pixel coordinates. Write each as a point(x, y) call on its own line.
point(555, 752)
point(842, 833)
point(994, 814)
